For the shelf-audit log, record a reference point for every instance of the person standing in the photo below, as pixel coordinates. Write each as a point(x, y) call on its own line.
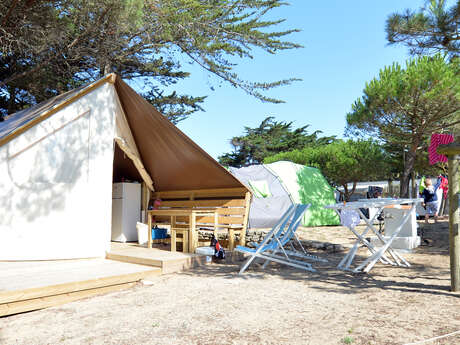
point(430, 200)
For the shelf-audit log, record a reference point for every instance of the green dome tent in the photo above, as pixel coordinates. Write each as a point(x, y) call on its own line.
point(277, 185)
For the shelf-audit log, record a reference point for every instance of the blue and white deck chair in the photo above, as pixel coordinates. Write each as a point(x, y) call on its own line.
point(277, 245)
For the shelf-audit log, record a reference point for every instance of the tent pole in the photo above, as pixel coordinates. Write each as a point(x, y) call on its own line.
point(453, 154)
point(145, 201)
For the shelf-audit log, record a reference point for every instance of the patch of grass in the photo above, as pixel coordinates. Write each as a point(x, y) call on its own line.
point(155, 324)
point(348, 340)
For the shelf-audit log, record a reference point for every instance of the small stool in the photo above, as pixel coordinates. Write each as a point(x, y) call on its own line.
point(184, 239)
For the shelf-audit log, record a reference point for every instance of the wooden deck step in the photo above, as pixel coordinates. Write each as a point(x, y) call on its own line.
point(168, 261)
point(32, 285)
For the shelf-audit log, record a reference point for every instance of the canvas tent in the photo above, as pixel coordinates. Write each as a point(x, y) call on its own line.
point(277, 185)
point(58, 161)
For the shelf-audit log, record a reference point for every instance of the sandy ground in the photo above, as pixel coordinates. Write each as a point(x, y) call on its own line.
point(213, 305)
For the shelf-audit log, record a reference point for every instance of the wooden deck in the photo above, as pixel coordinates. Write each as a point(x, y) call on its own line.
point(32, 285)
point(161, 257)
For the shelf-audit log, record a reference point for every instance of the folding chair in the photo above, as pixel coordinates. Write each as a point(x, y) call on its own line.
point(277, 245)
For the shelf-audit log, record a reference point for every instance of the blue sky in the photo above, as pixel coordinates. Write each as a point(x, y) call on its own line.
point(344, 46)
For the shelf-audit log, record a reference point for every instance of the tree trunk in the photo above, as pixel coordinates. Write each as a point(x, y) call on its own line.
point(390, 188)
point(413, 194)
point(353, 189)
point(107, 68)
point(405, 177)
point(347, 194)
point(11, 102)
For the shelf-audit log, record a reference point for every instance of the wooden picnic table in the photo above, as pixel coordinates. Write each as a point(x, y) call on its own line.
point(189, 233)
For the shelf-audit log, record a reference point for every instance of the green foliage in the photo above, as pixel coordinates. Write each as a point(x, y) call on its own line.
point(269, 138)
point(49, 47)
point(431, 28)
point(404, 106)
point(348, 340)
point(342, 162)
point(396, 159)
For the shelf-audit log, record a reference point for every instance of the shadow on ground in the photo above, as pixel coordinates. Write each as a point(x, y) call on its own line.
point(429, 272)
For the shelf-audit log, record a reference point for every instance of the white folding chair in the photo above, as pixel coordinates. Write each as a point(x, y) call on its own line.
point(277, 245)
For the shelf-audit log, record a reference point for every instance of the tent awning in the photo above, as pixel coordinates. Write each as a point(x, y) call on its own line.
point(172, 159)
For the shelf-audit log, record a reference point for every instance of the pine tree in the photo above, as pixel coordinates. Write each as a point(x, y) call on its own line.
point(433, 28)
point(268, 139)
point(404, 106)
point(48, 47)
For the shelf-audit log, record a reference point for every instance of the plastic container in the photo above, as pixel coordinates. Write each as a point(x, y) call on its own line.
point(142, 233)
point(208, 251)
point(159, 233)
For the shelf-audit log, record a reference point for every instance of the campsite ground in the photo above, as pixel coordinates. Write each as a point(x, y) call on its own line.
point(213, 305)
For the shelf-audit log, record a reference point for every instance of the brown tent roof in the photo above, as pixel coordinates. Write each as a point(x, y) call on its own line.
point(172, 159)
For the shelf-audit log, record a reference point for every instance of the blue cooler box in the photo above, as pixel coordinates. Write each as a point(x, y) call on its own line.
point(159, 233)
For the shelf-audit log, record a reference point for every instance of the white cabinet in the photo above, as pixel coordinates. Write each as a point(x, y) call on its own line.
point(407, 239)
point(126, 209)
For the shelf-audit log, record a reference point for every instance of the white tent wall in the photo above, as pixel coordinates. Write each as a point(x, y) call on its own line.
point(56, 183)
point(264, 211)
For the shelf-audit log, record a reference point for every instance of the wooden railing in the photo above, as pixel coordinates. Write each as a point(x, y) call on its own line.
point(232, 205)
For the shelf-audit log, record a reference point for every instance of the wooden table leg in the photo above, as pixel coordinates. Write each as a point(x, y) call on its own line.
point(185, 241)
point(173, 233)
point(149, 242)
point(173, 239)
point(216, 221)
point(231, 239)
point(192, 235)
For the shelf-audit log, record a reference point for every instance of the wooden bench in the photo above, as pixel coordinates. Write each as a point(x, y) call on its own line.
point(231, 204)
